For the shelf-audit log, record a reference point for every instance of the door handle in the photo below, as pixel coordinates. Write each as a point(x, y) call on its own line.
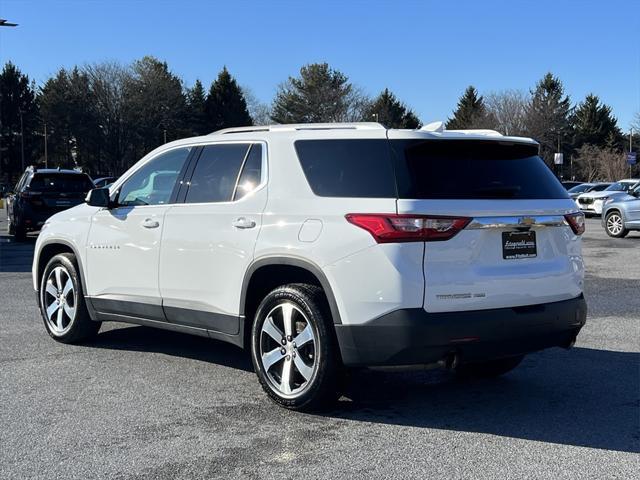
point(150, 223)
point(243, 222)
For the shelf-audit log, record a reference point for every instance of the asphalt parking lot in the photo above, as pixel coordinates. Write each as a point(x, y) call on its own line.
point(144, 403)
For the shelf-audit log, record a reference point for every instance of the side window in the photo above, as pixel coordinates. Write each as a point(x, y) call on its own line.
point(216, 173)
point(347, 168)
point(251, 173)
point(154, 182)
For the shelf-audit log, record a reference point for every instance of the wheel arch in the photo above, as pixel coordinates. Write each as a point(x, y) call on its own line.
point(53, 247)
point(611, 210)
point(298, 268)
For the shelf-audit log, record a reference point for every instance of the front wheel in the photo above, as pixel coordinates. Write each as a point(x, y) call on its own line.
point(492, 368)
point(62, 304)
point(614, 225)
point(293, 348)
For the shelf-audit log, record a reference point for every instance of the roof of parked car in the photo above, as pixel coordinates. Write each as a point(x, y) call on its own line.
point(49, 171)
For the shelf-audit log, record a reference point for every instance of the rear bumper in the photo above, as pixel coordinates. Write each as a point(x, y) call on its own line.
point(413, 336)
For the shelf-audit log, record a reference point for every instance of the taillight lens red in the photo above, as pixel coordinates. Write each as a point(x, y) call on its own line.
point(576, 222)
point(389, 228)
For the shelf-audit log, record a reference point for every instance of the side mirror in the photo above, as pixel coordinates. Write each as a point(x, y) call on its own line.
point(98, 197)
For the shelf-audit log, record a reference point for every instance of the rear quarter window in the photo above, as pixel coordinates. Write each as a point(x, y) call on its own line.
point(470, 169)
point(347, 168)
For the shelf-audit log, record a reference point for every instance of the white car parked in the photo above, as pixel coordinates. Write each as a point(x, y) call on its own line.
point(323, 246)
point(591, 203)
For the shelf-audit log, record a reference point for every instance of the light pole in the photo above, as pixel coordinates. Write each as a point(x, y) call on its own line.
point(630, 146)
point(46, 157)
point(21, 140)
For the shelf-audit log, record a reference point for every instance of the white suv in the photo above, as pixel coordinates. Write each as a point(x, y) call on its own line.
point(323, 246)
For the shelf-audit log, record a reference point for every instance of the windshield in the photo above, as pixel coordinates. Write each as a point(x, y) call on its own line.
point(580, 188)
point(599, 187)
point(619, 187)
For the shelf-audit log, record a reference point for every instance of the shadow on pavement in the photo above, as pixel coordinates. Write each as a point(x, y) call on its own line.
point(582, 397)
point(147, 339)
point(16, 256)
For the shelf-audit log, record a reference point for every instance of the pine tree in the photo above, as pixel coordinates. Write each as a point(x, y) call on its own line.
point(196, 109)
point(225, 105)
point(547, 116)
point(470, 112)
point(18, 99)
point(54, 99)
point(156, 106)
point(592, 123)
point(319, 94)
point(391, 112)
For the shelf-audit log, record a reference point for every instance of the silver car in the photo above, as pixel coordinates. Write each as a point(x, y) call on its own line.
point(620, 215)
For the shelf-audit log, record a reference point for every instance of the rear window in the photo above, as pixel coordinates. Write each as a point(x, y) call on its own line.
point(468, 169)
point(60, 182)
point(347, 168)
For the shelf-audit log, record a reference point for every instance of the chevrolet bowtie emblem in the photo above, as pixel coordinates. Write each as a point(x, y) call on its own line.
point(526, 221)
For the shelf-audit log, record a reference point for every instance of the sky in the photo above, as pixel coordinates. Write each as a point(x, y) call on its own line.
point(426, 52)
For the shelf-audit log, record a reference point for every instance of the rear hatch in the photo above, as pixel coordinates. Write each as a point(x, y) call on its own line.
point(515, 247)
point(58, 191)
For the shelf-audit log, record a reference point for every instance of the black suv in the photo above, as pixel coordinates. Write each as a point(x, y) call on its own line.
point(41, 193)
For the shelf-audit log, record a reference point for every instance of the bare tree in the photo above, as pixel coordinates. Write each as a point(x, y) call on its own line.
point(587, 163)
point(636, 123)
point(598, 163)
point(108, 84)
point(260, 112)
point(509, 109)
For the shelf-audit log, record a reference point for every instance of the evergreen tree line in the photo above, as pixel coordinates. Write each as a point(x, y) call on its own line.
point(104, 117)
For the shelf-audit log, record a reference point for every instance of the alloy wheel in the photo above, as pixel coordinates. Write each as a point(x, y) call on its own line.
point(614, 224)
point(59, 301)
point(288, 349)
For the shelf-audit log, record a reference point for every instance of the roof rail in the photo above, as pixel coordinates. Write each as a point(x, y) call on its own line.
point(303, 126)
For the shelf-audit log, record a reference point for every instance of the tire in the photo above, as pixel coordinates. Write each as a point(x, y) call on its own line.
point(19, 231)
point(614, 225)
point(310, 375)
point(62, 304)
point(490, 369)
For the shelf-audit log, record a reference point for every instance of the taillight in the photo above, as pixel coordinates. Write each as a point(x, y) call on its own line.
point(389, 228)
point(576, 222)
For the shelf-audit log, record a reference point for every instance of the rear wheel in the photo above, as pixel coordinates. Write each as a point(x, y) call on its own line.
point(18, 230)
point(493, 368)
point(614, 225)
point(62, 304)
point(293, 348)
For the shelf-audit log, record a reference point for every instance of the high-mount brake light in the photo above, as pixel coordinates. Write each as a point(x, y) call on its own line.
point(576, 221)
point(391, 228)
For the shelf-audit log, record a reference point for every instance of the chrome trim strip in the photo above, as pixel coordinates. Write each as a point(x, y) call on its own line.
point(524, 221)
